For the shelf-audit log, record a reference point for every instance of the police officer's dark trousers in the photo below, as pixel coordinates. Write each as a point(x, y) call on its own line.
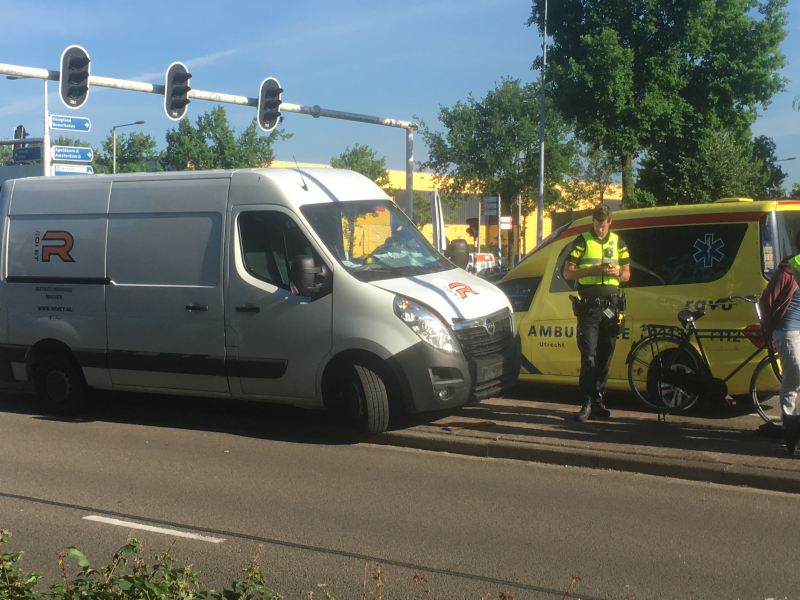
point(596, 347)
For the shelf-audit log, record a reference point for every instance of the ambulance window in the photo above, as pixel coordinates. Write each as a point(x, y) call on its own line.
point(270, 241)
point(520, 291)
point(682, 255)
point(558, 283)
point(779, 233)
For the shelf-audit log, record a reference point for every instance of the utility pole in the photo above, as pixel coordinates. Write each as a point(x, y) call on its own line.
point(46, 136)
point(540, 201)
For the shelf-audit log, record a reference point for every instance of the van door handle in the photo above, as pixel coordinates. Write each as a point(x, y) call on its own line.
point(248, 308)
point(196, 306)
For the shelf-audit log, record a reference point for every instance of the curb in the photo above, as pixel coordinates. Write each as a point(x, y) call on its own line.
point(754, 477)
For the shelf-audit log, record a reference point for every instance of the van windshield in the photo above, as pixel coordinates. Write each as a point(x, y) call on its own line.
point(373, 239)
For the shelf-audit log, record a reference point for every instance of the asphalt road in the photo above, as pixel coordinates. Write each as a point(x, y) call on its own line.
point(325, 505)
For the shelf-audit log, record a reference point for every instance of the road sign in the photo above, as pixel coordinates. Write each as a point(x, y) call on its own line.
point(27, 153)
point(489, 207)
point(70, 123)
point(506, 223)
point(71, 170)
point(72, 153)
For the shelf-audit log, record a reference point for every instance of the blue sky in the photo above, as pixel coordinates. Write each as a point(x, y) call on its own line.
point(389, 58)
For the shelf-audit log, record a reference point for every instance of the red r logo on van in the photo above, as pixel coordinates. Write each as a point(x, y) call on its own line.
point(61, 251)
point(462, 289)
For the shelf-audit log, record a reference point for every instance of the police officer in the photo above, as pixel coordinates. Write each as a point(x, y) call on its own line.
point(599, 261)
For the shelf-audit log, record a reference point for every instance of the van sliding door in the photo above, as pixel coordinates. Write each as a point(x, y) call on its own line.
point(164, 304)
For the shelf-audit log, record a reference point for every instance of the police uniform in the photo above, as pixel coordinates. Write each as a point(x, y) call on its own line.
point(597, 310)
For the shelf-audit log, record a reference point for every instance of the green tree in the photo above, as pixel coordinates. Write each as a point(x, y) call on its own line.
point(633, 73)
point(719, 167)
point(363, 159)
point(596, 174)
point(5, 156)
point(480, 150)
point(136, 151)
point(771, 172)
point(212, 144)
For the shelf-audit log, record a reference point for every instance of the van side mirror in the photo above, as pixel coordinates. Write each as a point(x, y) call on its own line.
point(306, 276)
point(458, 253)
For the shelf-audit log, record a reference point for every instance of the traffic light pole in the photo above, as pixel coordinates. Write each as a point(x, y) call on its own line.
point(46, 137)
point(314, 111)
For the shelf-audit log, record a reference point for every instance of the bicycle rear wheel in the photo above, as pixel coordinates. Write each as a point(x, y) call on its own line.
point(765, 387)
point(644, 380)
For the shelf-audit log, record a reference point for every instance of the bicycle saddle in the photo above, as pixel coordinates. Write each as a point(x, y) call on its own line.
point(687, 316)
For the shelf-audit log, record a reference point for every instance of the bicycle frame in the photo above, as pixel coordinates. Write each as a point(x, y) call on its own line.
point(685, 336)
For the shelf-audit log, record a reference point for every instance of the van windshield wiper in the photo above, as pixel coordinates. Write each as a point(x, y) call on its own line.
point(428, 269)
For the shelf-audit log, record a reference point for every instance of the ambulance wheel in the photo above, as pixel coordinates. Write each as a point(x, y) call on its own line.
point(60, 386)
point(366, 398)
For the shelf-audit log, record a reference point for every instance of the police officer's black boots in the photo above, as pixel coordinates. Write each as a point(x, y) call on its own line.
point(586, 410)
point(599, 410)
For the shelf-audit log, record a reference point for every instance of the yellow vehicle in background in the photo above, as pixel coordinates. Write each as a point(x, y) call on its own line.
point(682, 257)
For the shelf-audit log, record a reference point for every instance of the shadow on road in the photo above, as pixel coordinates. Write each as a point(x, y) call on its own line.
point(535, 413)
point(224, 415)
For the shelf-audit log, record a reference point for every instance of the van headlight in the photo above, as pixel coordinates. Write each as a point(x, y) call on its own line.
point(426, 325)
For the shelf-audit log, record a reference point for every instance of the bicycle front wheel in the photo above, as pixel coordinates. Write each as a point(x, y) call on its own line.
point(656, 352)
point(765, 388)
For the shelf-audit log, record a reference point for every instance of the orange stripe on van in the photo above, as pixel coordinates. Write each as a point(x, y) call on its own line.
point(621, 225)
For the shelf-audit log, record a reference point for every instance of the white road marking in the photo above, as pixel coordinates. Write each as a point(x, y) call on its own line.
point(175, 532)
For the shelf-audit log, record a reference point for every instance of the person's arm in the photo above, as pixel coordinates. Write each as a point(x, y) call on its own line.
point(572, 272)
point(624, 271)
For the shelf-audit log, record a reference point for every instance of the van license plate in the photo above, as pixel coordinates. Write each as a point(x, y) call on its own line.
point(492, 371)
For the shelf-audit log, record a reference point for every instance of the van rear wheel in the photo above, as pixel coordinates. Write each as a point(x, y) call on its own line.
point(60, 385)
point(366, 398)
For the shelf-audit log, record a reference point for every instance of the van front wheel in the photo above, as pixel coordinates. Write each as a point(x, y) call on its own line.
point(367, 400)
point(59, 384)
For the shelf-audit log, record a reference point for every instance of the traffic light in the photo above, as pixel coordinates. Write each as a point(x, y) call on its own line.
point(176, 91)
point(472, 229)
point(73, 83)
point(20, 134)
point(269, 100)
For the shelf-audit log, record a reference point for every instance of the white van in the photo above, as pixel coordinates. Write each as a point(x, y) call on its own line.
point(308, 287)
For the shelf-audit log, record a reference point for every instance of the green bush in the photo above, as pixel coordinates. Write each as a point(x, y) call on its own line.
point(128, 577)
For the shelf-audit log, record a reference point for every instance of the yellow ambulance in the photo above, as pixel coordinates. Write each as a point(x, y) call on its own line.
point(687, 256)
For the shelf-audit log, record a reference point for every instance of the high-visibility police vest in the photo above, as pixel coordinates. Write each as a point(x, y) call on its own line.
point(597, 252)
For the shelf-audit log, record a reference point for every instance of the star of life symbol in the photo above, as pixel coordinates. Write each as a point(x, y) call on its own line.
point(708, 250)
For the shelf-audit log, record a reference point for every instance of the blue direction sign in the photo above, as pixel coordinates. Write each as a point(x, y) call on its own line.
point(70, 123)
point(71, 170)
point(27, 153)
point(72, 153)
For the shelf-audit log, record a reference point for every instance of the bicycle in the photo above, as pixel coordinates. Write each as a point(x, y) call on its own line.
point(667, 373)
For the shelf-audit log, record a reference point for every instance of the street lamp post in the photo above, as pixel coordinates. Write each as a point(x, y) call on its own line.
point(790, 158)
point(114, 150)
point(540, 199)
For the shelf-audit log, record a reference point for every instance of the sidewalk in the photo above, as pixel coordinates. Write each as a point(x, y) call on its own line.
point(536, 423)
